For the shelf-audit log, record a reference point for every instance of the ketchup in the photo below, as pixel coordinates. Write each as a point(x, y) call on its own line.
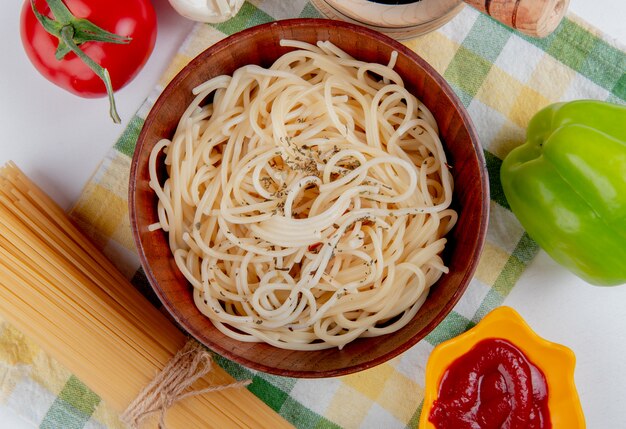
point(493, 386)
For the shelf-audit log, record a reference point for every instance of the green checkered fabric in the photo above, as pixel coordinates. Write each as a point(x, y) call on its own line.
point(501, 77)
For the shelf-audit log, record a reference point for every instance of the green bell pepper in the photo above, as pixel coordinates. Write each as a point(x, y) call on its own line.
point(567, 187)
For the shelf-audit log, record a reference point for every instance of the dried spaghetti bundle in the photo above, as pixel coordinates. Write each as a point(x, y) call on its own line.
point(59, 289)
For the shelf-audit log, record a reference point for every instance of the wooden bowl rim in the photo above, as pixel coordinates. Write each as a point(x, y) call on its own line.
point(474, 251)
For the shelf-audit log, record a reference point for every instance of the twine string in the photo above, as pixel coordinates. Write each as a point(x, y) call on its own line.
point(172, 384)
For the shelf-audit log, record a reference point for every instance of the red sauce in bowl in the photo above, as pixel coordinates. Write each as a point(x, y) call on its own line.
point(493, 386)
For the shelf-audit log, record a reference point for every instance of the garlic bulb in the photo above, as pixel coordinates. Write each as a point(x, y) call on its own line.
point(211, 11)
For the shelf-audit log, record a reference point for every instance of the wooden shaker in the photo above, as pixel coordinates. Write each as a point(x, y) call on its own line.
point(536, 18)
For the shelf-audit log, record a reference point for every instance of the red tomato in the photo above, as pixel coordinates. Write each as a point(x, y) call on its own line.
point(133, 18)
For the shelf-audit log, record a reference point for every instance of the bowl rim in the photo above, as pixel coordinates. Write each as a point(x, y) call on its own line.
point(475, 251)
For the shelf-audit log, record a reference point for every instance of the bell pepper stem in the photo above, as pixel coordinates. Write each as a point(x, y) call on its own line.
point(67, 36)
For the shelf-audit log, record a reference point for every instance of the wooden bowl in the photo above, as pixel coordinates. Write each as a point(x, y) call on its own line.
point(260, 45)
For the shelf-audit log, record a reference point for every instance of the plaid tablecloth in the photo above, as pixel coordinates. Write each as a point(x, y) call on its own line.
point(500, 76)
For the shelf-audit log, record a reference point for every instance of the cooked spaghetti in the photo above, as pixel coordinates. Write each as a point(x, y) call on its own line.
point(306, 203)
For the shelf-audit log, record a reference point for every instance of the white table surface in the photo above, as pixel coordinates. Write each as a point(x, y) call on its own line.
point(58, 139)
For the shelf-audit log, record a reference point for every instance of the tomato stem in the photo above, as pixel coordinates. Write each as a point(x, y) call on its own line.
point(72, 32)
point(61, 13)
point(67, 35)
